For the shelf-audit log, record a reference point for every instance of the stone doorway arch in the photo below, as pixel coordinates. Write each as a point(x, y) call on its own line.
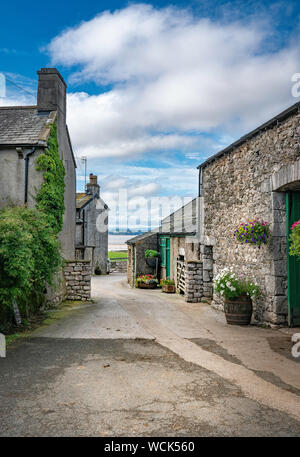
point(285, 187)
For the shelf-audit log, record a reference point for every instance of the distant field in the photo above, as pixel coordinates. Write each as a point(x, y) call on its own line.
point(115, 255)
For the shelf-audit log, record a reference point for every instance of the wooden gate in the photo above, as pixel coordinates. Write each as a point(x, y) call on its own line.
point(181, 275)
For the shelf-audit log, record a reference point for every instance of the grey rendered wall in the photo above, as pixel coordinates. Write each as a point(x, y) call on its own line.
point(96, 233)
point(67, 235)
point(12, 178)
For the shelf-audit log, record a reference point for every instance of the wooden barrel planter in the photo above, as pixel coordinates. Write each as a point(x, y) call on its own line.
point(143, 285)
point(168, 288)
point(238, 311)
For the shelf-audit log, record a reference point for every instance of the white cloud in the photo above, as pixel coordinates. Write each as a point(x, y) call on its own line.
point(170, 81)
point(170, 73)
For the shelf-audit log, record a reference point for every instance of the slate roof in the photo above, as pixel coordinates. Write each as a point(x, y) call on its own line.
point(24, 125)
point(82, 199)
point(141, 237)
point(294, 109)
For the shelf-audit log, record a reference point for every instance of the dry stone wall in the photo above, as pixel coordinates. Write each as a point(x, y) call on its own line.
point(193, 281)
point(199, 277)
point(78, 280)
point(120, 266)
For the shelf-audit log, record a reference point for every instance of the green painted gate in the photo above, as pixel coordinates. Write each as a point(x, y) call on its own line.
point(293, 263)
point(165, 254)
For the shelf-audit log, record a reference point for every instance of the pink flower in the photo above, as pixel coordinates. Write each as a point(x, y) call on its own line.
point(294, 224)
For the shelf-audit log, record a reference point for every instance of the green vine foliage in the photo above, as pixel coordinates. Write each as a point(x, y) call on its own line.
point(50, 198)
point(29, 256)
point(29, 246)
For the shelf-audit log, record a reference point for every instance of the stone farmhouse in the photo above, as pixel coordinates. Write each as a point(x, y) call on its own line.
point(257, 177)
point(92, 227)
point(24, 131)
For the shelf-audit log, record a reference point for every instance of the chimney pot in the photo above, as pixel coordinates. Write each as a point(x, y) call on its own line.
point(93, 186)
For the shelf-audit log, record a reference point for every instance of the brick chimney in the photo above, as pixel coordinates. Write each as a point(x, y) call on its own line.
point(93, 187)
point(51, 94)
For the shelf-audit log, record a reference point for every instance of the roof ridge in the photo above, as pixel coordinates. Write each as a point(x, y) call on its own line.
point(283, 115)
point(19, 107)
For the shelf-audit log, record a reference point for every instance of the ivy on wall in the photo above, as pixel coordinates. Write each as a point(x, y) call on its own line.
point(29, 246)
point(50, 198)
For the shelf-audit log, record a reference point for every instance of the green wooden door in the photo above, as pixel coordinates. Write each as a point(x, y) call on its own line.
point(168, 257)
point(165, 254)
point(293, 263)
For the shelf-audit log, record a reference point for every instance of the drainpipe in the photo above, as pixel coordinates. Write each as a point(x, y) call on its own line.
point(200, 182)
point(25, 154)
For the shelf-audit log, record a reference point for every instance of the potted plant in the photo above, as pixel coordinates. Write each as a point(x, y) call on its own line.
point(237, 292)
point(146, 282)
point(253, 232)
point(295, 239)
point(167, 286)
point(151, 257)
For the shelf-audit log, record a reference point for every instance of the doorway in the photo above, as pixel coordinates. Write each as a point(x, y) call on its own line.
point(293, 262)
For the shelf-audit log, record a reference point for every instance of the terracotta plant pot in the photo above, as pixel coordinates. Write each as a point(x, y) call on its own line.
point(143, 285)
point(168, 288)
point(238, 311)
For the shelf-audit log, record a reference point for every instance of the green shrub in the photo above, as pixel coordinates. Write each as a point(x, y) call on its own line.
point(151, 253)
point(29, 254)
point(29, 248)
point(167, 282)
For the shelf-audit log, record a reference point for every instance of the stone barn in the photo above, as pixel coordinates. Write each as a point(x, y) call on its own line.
point(24, 132)
point(137, 246)
point(257, 177)
point(182, 258)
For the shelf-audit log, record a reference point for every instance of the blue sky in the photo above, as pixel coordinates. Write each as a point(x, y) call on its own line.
point(154, 88)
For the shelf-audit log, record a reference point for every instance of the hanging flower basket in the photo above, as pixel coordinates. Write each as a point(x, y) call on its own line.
point(254, 232)
point(295, 239)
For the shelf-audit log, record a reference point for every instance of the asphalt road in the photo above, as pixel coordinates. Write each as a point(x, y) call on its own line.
point(98, 371)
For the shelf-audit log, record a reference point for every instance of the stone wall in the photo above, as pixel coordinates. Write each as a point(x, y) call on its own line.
point(181, 246)
point(242, 185)
point(193, 281)
point(77, 275)
point(120, 266)
point(199, 277)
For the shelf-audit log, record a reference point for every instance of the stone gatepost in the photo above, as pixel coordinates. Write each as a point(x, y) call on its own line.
point(207, 259)
point(193, 281)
